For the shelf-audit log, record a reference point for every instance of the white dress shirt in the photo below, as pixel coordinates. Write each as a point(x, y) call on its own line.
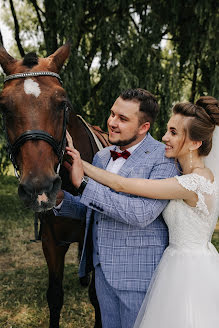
point(115, 166)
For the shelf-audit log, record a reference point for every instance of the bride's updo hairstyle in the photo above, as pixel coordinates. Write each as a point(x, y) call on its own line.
point(204, 116)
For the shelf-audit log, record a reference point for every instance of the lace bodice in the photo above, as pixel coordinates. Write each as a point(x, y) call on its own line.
point(192, 227)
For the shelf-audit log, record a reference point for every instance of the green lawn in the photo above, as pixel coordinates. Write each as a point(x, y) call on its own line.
point(215, 239)
point(23, 271)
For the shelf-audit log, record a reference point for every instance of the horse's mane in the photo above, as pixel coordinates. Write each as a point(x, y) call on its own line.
point(30, 59)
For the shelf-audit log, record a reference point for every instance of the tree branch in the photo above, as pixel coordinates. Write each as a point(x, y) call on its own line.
point(34, 2)
point(1, 39)
point(133, 21)
point(17, 29)
point(50, 35)
point(38, 10)
point(194, 81)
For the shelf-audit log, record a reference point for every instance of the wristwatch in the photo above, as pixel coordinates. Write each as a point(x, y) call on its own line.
point(83, 184)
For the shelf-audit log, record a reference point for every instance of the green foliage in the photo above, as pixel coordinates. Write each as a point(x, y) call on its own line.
point(194, 27)
point(30, 34)
point(122, 44)
point(4, 159)
point(125, 36)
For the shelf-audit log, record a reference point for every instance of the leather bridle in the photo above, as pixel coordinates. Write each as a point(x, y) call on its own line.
point(58, 147)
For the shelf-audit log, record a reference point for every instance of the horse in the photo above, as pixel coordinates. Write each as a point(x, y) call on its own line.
point(36, 112)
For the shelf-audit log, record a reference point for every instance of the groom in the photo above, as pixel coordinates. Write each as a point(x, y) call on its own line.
point(125, 235)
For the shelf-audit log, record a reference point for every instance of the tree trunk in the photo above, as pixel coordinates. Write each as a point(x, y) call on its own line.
point(1, 39)
point(194, 81)
point(50, 34)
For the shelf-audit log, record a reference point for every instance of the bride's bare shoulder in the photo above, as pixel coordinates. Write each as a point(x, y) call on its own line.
point(205, 172)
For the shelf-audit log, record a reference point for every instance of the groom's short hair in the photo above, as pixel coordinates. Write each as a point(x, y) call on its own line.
point(148, 105)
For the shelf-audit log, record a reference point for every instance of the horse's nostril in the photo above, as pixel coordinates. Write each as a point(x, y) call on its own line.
point(23, 190)
point(32, 189)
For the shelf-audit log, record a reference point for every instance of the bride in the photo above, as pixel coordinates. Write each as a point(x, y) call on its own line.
point(184, 291)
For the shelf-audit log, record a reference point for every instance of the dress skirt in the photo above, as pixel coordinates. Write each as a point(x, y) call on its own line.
point(184, 291)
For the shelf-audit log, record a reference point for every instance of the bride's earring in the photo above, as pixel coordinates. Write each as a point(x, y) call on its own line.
point(190, 156)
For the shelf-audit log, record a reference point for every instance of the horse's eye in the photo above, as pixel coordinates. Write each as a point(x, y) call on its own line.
point(8, 115)
point(62, 105)
point(2, 107)
point(8, 112)
point(68, 106)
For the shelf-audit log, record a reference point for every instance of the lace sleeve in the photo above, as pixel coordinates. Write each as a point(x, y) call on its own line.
point(202, 187)
point(188, 181)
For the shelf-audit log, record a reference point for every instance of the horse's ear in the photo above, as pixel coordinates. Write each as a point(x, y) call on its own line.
point(57, 59)
point(6, 61)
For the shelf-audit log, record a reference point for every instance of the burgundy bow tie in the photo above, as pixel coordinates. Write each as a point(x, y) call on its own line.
point(114, 154)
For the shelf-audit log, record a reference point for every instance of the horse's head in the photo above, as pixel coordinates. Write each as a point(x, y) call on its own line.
point(34, 111)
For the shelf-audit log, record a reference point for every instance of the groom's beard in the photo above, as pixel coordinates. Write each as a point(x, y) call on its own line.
point(123, 143)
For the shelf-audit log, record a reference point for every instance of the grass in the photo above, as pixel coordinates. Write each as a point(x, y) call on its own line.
point(23, 271)
point(215, 239)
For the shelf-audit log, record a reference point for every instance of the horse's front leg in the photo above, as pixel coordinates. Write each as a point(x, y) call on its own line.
point(55, 256)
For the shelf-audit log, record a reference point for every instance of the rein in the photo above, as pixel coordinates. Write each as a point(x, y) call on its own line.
point(58, 147)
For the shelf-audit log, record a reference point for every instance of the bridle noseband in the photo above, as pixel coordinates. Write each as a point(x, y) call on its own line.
point(58, 147)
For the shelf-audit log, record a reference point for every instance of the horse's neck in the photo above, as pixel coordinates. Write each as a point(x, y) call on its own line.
point(74, 126)
point(81, 138)
point(83, 141)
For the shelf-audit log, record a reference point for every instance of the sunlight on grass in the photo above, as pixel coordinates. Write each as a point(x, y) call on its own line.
point(23, 300)
point(24, 274)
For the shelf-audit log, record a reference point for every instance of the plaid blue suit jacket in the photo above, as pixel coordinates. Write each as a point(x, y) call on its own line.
point(131, 232)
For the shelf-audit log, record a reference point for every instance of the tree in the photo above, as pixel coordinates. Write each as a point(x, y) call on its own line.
point(1, 39)
point(118, 44)
point(125, 36)
point(193, 26)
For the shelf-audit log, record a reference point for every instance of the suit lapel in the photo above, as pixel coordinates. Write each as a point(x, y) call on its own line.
point(105, 157)
point(142, 151)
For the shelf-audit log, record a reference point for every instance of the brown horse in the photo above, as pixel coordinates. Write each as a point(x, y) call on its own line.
point(36, 112)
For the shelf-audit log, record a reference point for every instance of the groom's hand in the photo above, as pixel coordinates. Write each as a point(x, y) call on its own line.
point(76, 171)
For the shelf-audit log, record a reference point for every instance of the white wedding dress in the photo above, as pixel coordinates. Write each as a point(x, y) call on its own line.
point(184, 292)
